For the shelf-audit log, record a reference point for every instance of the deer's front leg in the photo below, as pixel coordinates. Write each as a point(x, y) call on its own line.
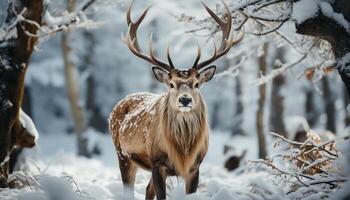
point(192, 181)
point(158, 178)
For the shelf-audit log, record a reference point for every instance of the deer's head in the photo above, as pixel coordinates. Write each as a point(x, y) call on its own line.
point(183, 84)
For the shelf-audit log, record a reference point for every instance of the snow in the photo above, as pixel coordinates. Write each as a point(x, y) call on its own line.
point(304, 9)
point(296, 123)
point(327, 10)
point(344, 63)
point(60, 174)
point(148, 105)
point(58, 20)
point(55, 172)
point(28, 124)
point(93, 138)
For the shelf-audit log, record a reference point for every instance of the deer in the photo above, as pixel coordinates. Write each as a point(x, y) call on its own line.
point(166, 134)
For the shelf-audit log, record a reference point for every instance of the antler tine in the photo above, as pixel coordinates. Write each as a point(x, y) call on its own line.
point(134, 25)
point(198, 55)
point(132, 43)
point(128, 17)
point(153, 57)
point(227, 42)
point(210, 60)
point(169, 58)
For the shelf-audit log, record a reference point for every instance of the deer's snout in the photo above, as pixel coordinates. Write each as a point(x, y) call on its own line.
point(185, 100)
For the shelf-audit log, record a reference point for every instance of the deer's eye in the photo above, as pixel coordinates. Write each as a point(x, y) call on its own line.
point(196, 85)
point(171, 85)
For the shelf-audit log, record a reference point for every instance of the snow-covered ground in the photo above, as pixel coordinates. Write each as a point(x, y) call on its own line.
point(57, 173)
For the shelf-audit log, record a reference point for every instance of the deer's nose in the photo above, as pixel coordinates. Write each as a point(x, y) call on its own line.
point(185, 100)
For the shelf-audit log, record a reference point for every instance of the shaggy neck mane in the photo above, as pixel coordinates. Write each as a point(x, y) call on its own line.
point(184, 133)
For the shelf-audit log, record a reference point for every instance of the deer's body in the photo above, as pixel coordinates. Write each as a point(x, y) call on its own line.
point(145, 132)
point(166, 134)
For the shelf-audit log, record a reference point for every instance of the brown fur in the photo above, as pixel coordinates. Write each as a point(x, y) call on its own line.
point(148, 131)
point(185, 135)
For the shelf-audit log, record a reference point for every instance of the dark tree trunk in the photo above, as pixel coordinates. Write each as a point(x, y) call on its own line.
point(215, 115)
point(310, 110)
point(329, 105)
point(27, 101)
point(237, 121)
point(328, 29)
point(15, 54)
point(261, 105)
point(346, 108)
point(27, 108)
point(311, 114)
point(277, 100)
point(95, 118)
point(238, 115)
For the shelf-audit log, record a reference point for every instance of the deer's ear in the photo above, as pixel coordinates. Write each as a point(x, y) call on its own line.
point(161, 75)
point(207, 74)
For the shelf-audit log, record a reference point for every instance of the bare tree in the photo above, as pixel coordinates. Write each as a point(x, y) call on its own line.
point(15, 54)
point(277, 99)
point(310, 110)
point(260, 122)
point(27, 108)
point(94, 115)
point(215, 114)
point(328, 99)
point(272, 15)
point(238, 113)
point(72, 89)
point(21, 31)
point(325, 27)
point(346, 108)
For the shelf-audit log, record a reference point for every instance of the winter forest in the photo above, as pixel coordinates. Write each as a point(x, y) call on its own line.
point(221, 100)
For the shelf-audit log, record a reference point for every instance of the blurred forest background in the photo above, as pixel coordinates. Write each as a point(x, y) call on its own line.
point(280, 82)
point(76, 78)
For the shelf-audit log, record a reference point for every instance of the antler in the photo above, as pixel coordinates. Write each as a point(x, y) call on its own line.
point(131, 40)
point(226, 43)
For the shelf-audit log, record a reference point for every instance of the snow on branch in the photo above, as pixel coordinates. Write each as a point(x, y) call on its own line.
point(66, 20)
point(344, 63)
point(307, 168)
point(50, 23)
point(266, 17)
point(28, 124)
point(266, 78)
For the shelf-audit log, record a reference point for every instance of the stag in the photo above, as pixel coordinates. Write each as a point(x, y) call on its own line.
point(166, 134)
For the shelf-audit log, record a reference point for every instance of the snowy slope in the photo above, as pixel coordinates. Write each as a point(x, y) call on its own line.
point(99, 178)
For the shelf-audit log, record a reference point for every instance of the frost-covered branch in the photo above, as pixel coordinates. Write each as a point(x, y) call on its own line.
point(327, 20)
point(307, 167)
point(50, 24)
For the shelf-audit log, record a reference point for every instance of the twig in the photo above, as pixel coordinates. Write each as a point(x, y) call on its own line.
point(282, 171)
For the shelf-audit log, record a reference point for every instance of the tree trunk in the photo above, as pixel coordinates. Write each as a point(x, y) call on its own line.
point(15, 54)
point(346, 108)
point(327, 28)
point(261, 104)
point(72, 89)
point(215, 115)
point(238, 116)
point(94, 117)
point(310, 110)
point(277, 100)
point(27, 108)
point(329, 105)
